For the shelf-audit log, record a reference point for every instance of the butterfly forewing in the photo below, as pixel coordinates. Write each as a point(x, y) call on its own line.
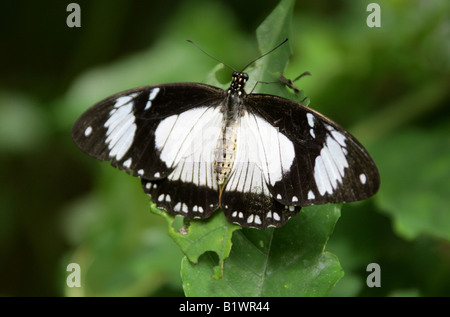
point(329, 165)
point(126, 128)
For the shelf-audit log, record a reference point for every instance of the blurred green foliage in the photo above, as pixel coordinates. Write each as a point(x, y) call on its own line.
point(389, 86)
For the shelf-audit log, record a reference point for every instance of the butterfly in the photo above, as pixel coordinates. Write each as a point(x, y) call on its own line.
point(196, 147)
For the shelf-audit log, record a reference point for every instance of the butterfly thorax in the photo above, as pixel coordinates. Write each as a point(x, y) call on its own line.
point(225, 151)
point(238, 83)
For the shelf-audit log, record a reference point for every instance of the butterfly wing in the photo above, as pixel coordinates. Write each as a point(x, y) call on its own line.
point(189, 140)
point(328, 164)
point(157, 133)
point(262, 154)
point(290, 156)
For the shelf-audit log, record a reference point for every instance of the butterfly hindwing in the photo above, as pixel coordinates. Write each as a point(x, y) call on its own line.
point(181, 198)
point(247, 200)
point(263, 155)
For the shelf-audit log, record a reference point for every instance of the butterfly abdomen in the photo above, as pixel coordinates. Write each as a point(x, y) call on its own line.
point(225, 151)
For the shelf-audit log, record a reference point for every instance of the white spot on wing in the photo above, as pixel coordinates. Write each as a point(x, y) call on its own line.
point(339, 137)
point(363, 178)
point(88, 131)
point(321, 177)
point(152, 96)
point(153, 93)
point(311, 195)
point(127, 163)
point(276, 216)
point(338, 153)
point(332, 172)
point(121, 127)
point(329, 168)
point(310, 118)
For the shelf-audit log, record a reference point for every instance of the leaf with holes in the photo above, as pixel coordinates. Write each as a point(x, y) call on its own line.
point(290, 261)
point(196, 237)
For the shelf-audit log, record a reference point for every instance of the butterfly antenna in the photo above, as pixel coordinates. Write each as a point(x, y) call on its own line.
point(211, 55)
point(273, 49)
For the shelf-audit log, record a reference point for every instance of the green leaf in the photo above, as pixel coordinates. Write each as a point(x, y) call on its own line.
point(415, 173)
point(272, 31)
point(199, 236)
point(290, 261)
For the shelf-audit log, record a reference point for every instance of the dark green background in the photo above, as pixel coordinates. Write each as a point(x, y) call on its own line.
point(389, 86)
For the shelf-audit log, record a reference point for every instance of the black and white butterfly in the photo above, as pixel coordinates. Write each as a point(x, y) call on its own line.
point(197, 148)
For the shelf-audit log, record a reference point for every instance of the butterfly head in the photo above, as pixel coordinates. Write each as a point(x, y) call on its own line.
point(238, 82)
